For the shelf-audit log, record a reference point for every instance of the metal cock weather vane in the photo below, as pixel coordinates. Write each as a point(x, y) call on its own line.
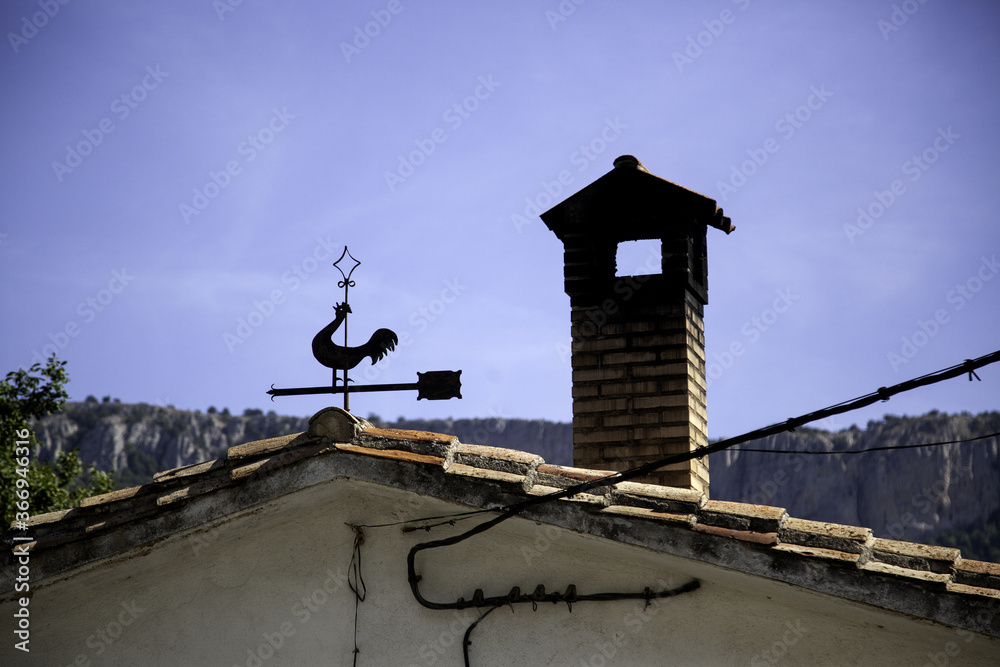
point(432, 385)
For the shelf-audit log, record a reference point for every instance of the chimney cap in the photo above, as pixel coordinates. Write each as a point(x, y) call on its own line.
point(641, 203)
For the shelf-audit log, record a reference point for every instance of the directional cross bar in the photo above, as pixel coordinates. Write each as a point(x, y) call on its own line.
point(432, 385)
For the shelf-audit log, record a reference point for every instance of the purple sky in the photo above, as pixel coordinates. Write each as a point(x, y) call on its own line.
point(174, 169)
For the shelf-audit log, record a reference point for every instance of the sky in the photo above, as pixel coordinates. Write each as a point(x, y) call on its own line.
point(178, 179)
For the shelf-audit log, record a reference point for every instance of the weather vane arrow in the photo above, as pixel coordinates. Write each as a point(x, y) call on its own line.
point(432, 385)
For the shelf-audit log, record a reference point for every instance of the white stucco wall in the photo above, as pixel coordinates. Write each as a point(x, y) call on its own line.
point(268, 587)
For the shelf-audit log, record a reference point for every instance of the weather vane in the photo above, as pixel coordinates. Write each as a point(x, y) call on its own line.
point(432, 385)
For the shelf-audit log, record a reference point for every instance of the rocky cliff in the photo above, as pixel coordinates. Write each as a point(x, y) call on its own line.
point(908, 494)
point(136, 440)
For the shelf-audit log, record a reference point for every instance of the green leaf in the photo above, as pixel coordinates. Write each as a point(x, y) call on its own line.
point(31, 394)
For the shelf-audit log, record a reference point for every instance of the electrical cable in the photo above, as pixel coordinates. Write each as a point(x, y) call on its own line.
point(881, 394)
point(479, 600)
point(466, 642)
point(867, 449)
point(357, 583)
point(452, 518)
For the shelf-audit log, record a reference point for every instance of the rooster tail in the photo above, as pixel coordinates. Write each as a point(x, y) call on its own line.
point(381, 343)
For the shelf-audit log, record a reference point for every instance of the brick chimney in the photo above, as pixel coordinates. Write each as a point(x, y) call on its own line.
point(638, 337)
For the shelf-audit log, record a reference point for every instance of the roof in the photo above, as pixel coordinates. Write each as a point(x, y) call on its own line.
point(930, 582)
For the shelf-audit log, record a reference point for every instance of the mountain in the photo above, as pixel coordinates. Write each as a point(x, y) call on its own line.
point(949, 493)
point(553, 441)
point(136, 440)
point(903, 494)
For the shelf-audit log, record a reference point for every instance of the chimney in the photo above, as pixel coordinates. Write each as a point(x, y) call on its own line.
point(638, 337)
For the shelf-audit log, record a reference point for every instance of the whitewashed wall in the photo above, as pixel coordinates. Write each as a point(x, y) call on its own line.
point(268, 587)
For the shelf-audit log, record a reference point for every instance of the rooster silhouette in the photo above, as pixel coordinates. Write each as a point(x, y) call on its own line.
point(336, 356)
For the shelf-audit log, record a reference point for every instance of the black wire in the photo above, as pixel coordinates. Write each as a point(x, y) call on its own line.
point(465, 640)
point(867, 449)
point(358, 584)
point(881, 394)
point(464, 515)
point(569, 598)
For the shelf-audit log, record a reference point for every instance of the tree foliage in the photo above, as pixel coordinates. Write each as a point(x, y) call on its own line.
point(30, 486)
point(977, 542)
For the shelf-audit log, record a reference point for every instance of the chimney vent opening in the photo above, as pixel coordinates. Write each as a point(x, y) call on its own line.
point(639, 258)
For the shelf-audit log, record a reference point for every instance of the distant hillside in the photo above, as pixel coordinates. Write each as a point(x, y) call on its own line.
point(137, 440)
point(949, 493)
point(911, 494)
point(553, 441)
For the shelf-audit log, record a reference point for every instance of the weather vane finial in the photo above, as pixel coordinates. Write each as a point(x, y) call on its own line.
point(346, 282)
